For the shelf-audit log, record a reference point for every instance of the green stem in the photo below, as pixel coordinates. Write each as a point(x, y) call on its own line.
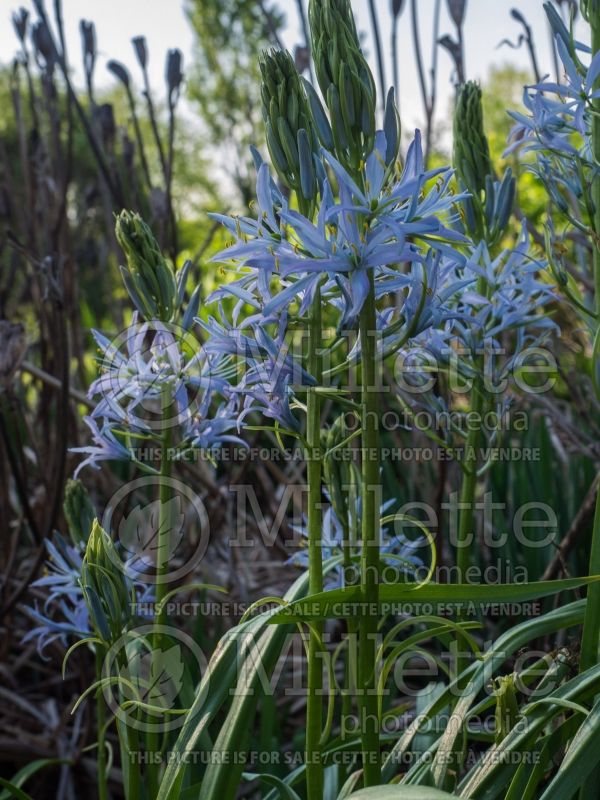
point(591, 632)
point(350, 654)
point(367, 634)
point(468, 487)
point(591, 623)
point(162, 569)
point(314, 704)
point(164, 532)
point(468, 491)
point(130, 745)
point(100, 722)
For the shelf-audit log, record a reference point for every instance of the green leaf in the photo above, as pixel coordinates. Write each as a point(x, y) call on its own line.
point(401, 793)
point(473, 680)
point(496, 768)
point(13, 787)
point(285, 791)
point(581, 758)
point(14, 791)
point(214, 690)
point(345, 603)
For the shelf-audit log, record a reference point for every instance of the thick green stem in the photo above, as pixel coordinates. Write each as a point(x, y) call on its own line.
point(130, 749)
point(100, 722)
point(468, 490)
point(591, 623)
point(162, 570)
point(368, 623)
point(164, 532)
point(470, 464)
point(314, 707)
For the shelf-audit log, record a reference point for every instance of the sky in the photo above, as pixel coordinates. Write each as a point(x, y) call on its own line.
point(165, 26)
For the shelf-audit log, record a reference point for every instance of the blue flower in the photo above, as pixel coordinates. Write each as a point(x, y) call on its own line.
point(106, 446)
point(578, 92)
point(376, 227)
point(269, 374)
point(501, 295)
point(64, 612)
point(64, 615)
point(560, 114)
point(155, 375)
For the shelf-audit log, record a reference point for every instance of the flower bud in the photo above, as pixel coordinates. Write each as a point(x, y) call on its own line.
point(397, 7)
point(119, 71)
point(105, 587)
point(344, 78)
point(391, 128)
point(590, 9)
point(88, 40)
point(141, 52)
point(291, 138)
point(20, 19)
point(173, 73)
point(79, 511)
point(471, 151)
point(148, 277)
point(44, 44)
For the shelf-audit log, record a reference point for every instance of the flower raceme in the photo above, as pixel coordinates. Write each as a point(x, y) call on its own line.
point(156, 376)
point(501, 295)
point(557, 129)
point(381, 221)
point(269, 374)
point(560, 114)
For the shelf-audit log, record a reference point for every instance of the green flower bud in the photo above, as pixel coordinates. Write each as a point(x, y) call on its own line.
point(590, 10)
point(340, 63)
point(288, 124)
point(105, 587)
point(149, 279)
point(79, 511)
point(471, 151)
point(507, 707)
